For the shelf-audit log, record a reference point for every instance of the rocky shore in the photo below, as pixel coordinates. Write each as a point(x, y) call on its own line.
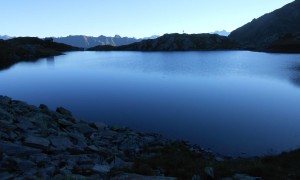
point(38, 143)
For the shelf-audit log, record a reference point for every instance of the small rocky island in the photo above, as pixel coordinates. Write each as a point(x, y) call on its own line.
point(38, 143)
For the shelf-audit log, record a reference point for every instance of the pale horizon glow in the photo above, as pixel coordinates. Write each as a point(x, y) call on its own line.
point(131, 18)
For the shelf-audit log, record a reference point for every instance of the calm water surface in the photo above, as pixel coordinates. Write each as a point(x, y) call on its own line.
point(233, 102)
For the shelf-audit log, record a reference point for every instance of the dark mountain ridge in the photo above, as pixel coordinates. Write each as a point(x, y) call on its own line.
point(261, 34)
point(89, 41)
point(176, 42)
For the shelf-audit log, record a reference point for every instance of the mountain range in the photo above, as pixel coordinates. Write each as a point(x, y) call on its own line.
point(278, 31)
point(89, 41)
point(176, 42)
point(5, 37)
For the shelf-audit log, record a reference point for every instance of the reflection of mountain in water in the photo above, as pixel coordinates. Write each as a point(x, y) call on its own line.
point(51, 61)
point(295, 78)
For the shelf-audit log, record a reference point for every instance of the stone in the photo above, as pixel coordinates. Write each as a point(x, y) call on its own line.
point(41, 157)
point(85, 128)
point(245, 177)
point(93, 148)
point(8, 126)
point(25, 165)
point(104, 169)
point(64, 111)
point(25, 124)
point(15, 149)
point(8, 164)
point(6, 175)
point(60, 143)
point(50, 170)
point(100, 125)
point(118, 163)
point(5, 100)
point(64, 122)
point(196, 177)
point(5, 115)
point(125, 176)
point(43, 107)
point(209, 171)
point(36, 142)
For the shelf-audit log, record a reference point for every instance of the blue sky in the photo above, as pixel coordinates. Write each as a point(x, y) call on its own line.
point(138, 18)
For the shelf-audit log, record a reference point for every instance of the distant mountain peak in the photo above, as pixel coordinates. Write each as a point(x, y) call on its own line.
point(221, 33)
point(5, 37)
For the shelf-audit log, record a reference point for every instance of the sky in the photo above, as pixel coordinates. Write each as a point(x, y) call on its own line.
point(131, 18)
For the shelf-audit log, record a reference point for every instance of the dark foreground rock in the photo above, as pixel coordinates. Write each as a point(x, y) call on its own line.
point(37, 143)
point(28, 49)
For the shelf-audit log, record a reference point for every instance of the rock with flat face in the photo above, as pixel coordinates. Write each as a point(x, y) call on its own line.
point(63, 111)
point(85, 128)
point(61, 143)
point(101, 168)
point(36, 142)
point(15, 149)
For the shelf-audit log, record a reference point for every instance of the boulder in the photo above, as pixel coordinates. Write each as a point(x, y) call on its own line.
point(209, 171)
point(103, 169)
point(15, 149)
point(64, 111)
point(25, 124)
point(140, 177)
point(85, 128)
point(64, 122)
point(25, 165)
point(36, 142)
point(245, 177)
point(61, 143)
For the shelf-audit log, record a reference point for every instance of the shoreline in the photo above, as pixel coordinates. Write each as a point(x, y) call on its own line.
point(37, 142)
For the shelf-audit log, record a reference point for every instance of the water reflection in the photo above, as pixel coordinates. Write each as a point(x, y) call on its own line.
point(50, 61)
point(232, 102)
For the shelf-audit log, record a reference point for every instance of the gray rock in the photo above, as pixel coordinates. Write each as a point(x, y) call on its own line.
point(41, 157)
point(25, 165)
point(85, 128)
point(50, 171)
point(6, 175)
point(60, 143)
point(15, 149)
point(104, 169)
point(24, 124)
point(209, 171)
point(5, 136)
point(64, 122)
point(100, 125)
point(36, 142)
point(119, 163)
point(64, 111)
point(196, 177)
point(43, 107)
point(5, 115)
point(7, 126)
point(93, 148)
point(245, 177)
point(8, 164)
point(127, 176)
point(5, 100)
